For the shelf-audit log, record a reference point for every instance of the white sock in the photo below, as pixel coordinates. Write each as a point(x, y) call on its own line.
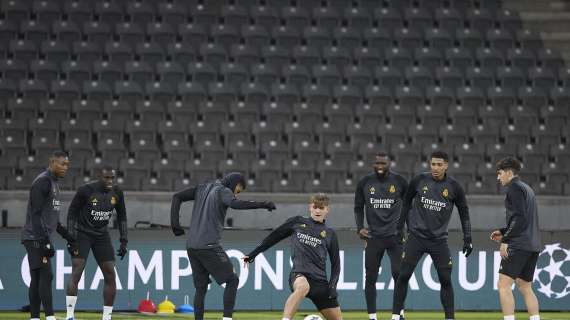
point(285, 319)
point(511, 317)
point(107, 312)
point(34, 318)
point(70, 302)
point(402, 313)
point(395, 317)
point(51, 318)
point(535, 317)
point(226, 318)
point(372, 316)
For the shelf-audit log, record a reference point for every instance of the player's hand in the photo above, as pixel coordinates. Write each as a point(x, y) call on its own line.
point(269, 205)
point(47, 249)
point(467, 248)
point(73, 249)
point(504, 250)
point(364, 234)
point(247, 260)
point(122, 252)
point(332, 293)
point(178, 231)
point(496, 236)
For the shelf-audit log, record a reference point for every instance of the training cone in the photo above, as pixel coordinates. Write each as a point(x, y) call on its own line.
point(166, 306)
point(147, 306)
point(185, 308)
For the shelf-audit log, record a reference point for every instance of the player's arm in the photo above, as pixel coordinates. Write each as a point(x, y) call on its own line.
point(518, 221)
point(229, 199)
point(121, 210)
point(334, 255)
point(77, 203)
point(177, 199)
point(282, 232)
point(463, 210)
point(38, 196)
point(407, 203)
point(359, 202)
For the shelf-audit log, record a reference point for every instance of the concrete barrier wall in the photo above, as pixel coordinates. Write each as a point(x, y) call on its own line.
point(154, 207)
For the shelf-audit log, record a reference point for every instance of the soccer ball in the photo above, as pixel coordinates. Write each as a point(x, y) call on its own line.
point(312, 317)
point(553, 271)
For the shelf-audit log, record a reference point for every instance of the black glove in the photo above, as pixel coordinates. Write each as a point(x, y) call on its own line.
point(269, 205)
point(73, 249)
point(122, 252)
point(332, 293)
point(249, 259)
point(178, 231)
point(467, 247)
point(47, 248)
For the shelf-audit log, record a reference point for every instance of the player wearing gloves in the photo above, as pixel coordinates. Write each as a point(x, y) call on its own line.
point(426, 210)
point(87, 219)
point(42, 219)
point(206, 255)
point(311, 241)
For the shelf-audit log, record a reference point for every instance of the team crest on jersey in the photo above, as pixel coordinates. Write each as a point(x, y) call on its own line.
point(425, 189)
point(323, 234)
point(113, 200)
point(94, 201)
point(302, 225)
point(372, 190)
point(44, 260)
point(392, 188)
point(445, 193)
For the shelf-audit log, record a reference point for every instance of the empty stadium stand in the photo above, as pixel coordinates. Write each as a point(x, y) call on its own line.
point(299, 95)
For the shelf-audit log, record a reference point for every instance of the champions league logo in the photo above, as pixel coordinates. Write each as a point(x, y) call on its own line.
point(552, 272)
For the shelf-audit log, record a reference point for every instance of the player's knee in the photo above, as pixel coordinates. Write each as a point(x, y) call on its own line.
point(504, 283)
point(524, 286)
point(371, 278)
point(233, 281)
point(405, 272)
point(445, 277)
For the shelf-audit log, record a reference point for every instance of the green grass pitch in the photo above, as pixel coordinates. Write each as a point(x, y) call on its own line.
point(258, 315)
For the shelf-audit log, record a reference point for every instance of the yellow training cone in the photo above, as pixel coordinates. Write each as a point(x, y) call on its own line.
point(166, 306)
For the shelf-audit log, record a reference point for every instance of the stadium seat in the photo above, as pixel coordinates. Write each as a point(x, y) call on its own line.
point(448, 19)
point(521, 58)
point(449, 77)
point(77, 71)
point(459, 57)
point(369, 58)
point(484, 133)
point(542, 78)
point(347, 37)
point(389, 18)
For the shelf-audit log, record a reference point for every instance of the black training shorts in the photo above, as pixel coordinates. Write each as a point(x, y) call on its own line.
point(318, 292)
point(438, 250)
point(100, 245)
point(206, 262)
point(519, 264)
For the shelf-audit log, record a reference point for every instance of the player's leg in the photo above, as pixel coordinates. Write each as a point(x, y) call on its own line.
point(413, 251)
point(332, 313)
point(525, 288)
point(34, 294)
point(524, 283)
point(77, 266)
point(46, 277)
point(35, 262)
point(441, 257)
point(219, 266)
point(372, 258)
point(300, 286)
point(395, 254)
point(506, 296)
point(105, 256)
point(201, 279)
